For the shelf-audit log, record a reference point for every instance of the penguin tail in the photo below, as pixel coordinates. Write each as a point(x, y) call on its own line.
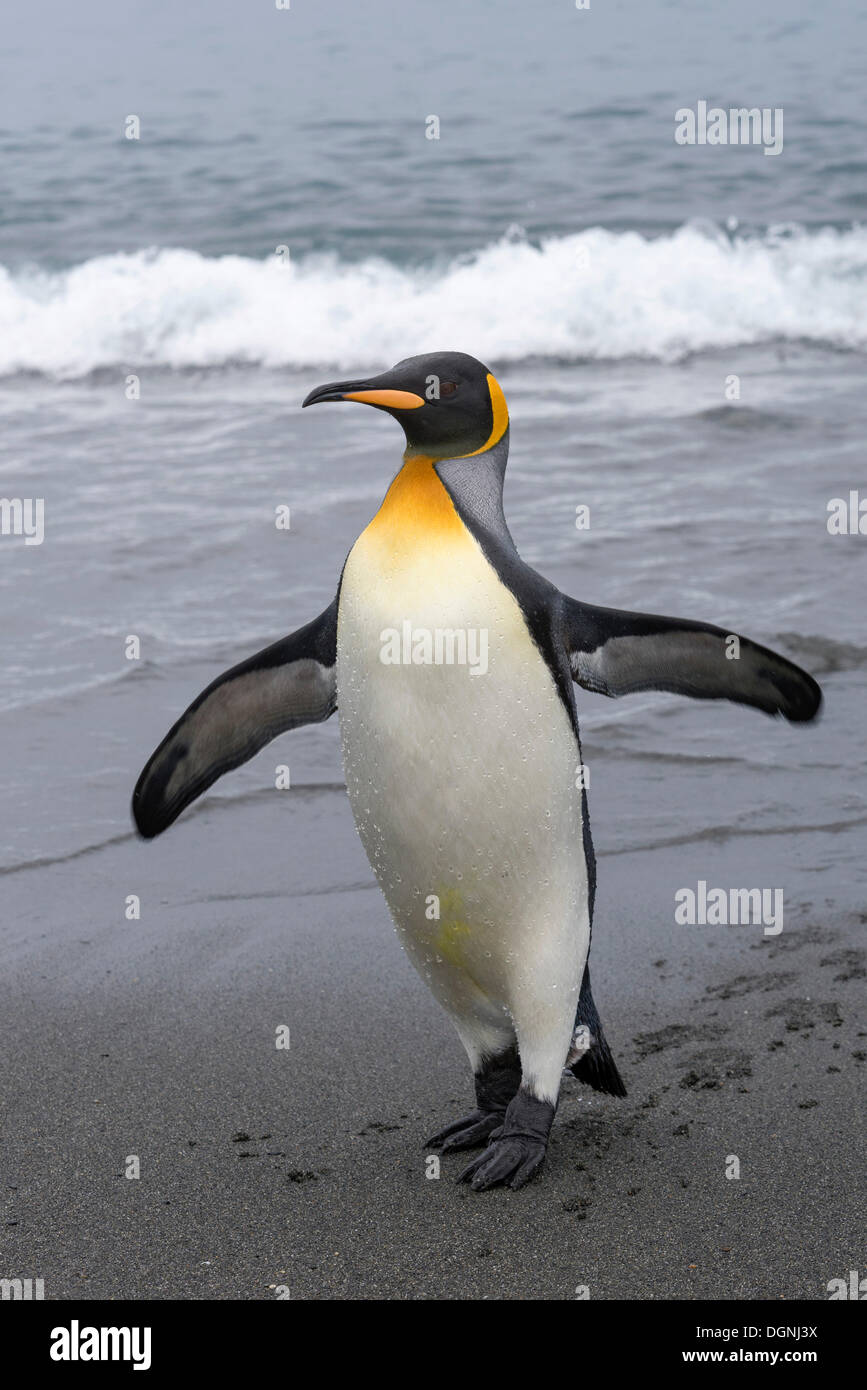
point(590, 1057)
point(598, 1069)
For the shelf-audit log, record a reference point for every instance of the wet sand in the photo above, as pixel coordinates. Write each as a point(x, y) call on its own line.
point(305, 1167)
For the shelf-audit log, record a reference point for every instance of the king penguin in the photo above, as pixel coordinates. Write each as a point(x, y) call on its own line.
point(452, 665)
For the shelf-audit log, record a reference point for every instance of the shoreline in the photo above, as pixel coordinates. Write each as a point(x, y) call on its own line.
point(306, 1167)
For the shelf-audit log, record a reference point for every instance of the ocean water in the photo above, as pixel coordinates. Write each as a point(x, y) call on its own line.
point(681, 332)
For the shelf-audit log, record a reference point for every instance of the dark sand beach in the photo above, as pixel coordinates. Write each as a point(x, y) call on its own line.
point(306, 1168)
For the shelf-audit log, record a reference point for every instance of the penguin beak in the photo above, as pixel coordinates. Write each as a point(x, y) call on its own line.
point(374, 391)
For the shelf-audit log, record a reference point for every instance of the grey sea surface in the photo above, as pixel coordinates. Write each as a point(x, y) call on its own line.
point(696, 507)
point(680, 333)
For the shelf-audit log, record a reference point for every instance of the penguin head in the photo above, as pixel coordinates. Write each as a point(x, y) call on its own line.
point(448, 403)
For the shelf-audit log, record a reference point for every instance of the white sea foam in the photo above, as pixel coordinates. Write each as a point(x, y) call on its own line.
point(596, 294)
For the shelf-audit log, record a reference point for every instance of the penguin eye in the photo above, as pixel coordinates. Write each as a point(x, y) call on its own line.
point(448, 388)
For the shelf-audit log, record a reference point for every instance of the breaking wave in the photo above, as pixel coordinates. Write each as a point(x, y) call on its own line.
point(593, 295)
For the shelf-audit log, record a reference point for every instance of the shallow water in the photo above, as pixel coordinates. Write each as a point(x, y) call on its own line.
point(614, 280)
point(160, 524)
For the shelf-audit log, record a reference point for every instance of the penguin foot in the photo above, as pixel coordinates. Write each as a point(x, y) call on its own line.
point(468, 1133)
point(511, 1161)
point(517, 1149)
point(496, 1082)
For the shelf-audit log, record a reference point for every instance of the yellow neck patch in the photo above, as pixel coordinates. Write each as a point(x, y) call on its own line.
point(417, 509)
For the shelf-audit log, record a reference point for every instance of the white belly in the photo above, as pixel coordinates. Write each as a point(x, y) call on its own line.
point(463, 786)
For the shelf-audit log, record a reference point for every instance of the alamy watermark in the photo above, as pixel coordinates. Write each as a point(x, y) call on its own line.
point(716, 907)
point(440, 646)
point(739, 125)
point(21, 1290)
point(855, 1287)
point(847, 516)
point(23, 516)
point(77, 1343)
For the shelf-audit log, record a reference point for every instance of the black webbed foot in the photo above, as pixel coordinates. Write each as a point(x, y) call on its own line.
point(468, 1133)
point(496, 1084)
point(517, 1149)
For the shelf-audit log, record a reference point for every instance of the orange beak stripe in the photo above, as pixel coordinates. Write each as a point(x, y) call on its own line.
point(391, 400)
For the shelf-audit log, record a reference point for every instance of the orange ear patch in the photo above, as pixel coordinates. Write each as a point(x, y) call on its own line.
point(499, 415)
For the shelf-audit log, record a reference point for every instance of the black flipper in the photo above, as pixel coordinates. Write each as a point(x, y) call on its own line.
point(290, 683)
point(616, 653)
point(596, 1067)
